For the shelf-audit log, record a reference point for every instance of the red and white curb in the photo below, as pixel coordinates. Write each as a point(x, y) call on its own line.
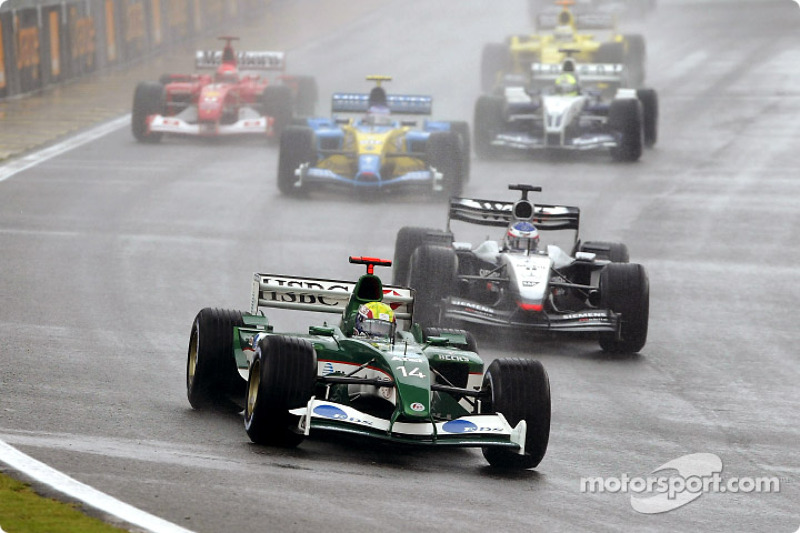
point(76, 490)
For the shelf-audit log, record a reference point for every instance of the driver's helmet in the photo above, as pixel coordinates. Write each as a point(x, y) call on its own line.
point(375, 320)
point(522, 237)
point(377, 97)
point(226, 73)
point(377, 108)
point(567, 84)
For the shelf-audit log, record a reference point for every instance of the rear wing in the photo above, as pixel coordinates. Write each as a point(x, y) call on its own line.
point(320, 295)
point(500, 214)
point(585, 72)
point(583, 21)
point(207, 59)
point(399, 104)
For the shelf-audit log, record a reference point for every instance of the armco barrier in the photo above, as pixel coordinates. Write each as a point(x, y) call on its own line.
point(44, 42)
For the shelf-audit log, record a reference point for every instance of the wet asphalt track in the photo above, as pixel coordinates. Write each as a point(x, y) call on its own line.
point(109, 250)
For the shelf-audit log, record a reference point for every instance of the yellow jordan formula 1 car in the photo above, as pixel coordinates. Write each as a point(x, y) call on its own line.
point(561, 35)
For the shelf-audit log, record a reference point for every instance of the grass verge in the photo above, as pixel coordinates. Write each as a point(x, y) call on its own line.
point(24, 511)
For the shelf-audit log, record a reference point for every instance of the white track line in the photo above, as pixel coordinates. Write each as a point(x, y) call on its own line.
point(30, 466)
point(84, 493)
point(15, 166)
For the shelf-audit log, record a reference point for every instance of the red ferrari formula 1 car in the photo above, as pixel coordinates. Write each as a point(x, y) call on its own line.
point(236, 100)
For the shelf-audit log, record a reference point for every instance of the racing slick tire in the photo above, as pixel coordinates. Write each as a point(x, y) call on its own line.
point(277, 102)
point(408, 239)
point(625, 117)
point(616, 252)
point(282, 377)
point(495, 63)
point(625, 289)
point(635, 57)
point(297, 147)
point(519, 389)
point(462, 129)
point(470, 346)
point(489, 121)
point(166, 79)
point(148, 99)
point(433, 275)
point(649, 100)
point(212, 378)
point(612, 52)
point(444, 152)
point(306, 95)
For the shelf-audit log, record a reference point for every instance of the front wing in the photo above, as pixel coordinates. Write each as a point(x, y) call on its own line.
point(588, 321)
point(309, 176)
point(177, 126)
point(589, 141)
point(466, 431)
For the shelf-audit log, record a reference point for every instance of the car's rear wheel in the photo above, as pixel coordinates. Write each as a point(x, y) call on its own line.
point(635, 58)
point(519, 389)
point(282, 377)
point(489, 121)
point(212, 377)
point(612, 52)
point(148, 99)
point(306, 95)
point(408, 239)
point(462, 129)
point(297, 147)
point(625, 289)
point(278, 103)
point(444, 153)
point(495, 63)
point(625, 118)
point(433, 275)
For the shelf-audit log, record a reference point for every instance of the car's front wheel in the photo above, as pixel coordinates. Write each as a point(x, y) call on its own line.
point(625, 289)
point(297, 147)
point(148, 99)
point(519, 389)
point(625, 117)
point(282, 377)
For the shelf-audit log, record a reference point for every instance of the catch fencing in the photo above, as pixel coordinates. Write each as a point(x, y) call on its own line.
point(47, 42)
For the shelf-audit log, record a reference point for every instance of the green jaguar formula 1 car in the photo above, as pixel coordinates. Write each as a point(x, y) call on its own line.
point(375, 373)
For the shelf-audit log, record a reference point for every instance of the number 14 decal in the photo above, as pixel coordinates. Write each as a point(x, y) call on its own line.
point(414, 372)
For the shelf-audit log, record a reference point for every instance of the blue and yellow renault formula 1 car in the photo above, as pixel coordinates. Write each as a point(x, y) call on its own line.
point(373, 143)
point(366, 374)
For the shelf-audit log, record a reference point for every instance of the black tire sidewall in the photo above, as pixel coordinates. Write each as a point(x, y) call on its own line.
point(217, 383)
point(297, 146)
point(624, 288)
point(520, 390)
point(288, 368)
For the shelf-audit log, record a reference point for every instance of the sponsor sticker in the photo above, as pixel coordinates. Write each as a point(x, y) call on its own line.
point(459, 426)
point(330, 411)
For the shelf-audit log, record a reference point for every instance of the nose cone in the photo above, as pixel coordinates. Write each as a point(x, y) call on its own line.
point(369, 169)
point(209, 106)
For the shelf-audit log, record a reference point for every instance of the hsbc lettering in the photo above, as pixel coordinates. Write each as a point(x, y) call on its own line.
point(300, 296)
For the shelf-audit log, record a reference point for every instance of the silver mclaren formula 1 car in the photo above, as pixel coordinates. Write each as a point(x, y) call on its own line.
point(516, 283)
